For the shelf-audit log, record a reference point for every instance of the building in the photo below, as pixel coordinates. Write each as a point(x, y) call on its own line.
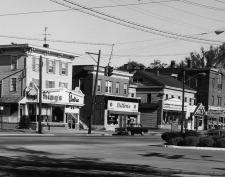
point(19, 74)
point(116, 104)
point(161, 101)
point(210, 90)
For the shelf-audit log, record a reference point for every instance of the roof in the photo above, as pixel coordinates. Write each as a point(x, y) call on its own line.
point(10, 99)
point(164, 80)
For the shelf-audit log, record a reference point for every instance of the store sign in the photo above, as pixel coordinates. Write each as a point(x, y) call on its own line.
point(174, 107)
point(61, 97)
point(122, 106)
point(31, 93)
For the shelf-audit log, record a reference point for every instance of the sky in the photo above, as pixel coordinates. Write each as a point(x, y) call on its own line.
point(123, 30)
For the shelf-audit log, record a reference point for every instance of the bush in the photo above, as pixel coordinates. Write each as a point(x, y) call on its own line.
point(191, 141)
point(221, 143)
point(25, 122)
point(178, 141)
point(205, 141)
point(167, 136)
point(215, 139)
point(190, 133)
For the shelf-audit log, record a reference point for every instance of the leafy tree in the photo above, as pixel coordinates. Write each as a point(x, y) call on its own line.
point(157, 64)
point(131, 66)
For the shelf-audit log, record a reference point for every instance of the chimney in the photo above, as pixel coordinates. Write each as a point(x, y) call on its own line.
point(46, 45)
point(189, 63)
point(172, 65)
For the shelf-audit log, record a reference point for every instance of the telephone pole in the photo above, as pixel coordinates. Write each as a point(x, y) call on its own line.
point(94, 92)
point(40, 95)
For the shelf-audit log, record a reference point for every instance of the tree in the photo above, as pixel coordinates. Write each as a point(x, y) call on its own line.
point(157, 64)
point(131, 66)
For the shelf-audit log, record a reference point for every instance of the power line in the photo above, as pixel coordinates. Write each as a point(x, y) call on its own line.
point(99, 7)
point(54, 40)
point(140, 27)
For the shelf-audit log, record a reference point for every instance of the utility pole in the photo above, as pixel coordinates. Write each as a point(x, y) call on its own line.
point(182, 116)
point(94, 92)
point(40, 95)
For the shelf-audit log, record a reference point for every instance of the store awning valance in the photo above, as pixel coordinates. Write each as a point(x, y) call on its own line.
point(124, 113)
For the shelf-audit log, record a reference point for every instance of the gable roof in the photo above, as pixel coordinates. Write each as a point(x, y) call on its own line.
point(164, 80)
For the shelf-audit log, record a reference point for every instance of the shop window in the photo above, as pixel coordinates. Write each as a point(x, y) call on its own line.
point(13, 84)
point(14, 60)
point(125, 89)
point(117, 88)
point(99, 89)
point(112, 119)
point(36, 64)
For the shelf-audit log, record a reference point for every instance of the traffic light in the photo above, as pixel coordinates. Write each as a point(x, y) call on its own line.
point(110, 70)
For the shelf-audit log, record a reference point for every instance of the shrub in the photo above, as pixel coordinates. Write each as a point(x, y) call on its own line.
point(24, 122)
point(167, 136)
point(205, 141)
point(221, 143)
point(215, 139)
point(190, 133)
point(178, 141)
point(191, 141)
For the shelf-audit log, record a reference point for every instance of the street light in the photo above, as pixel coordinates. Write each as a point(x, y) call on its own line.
point(183, 82)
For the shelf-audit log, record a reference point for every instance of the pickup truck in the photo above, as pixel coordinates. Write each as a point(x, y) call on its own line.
point(131, 129)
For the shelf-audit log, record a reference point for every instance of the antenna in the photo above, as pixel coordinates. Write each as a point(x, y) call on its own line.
point(45, 38)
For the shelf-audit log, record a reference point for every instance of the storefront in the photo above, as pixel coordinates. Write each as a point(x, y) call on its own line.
point(216, 118)
point(121, 114)
point(172, 115)
point(60, 106)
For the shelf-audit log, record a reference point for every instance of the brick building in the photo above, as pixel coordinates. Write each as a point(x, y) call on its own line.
point(19, 74)
point(210, 90)
point(116, 104)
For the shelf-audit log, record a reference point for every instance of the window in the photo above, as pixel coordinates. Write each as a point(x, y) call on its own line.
point(219, 101)
point(219, 81)
point(36, 81)
point(99, 89)
point(125, 89)
point(185, 99)
point(108, 87)
point(212, 100)
point(117, 88)
point(190, 101)
point(178, 97)
point(13, 62)
point(35, 64)
point(172, 96)
point(63, 68)
point(213, 83)
point(63, 84)
point(81, 84)
point(167, 96)
point(50, 65)
point(149, 98)
point(13, 84)
point(50, 84)
point(132, 94)
point(138, 80)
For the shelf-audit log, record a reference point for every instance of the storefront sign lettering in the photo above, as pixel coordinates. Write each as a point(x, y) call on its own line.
point(123, 105)
point(52, 97)
point(72, 98)
point(29, 96)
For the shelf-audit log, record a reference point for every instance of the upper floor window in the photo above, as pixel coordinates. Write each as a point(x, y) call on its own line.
point(213, 83)
point(212, 100)
point(219, 81)
point(50, 66)
point(125, 89)
point(13, 84)
point(149, 98)
point(137, 79)
point(99, 88)
point(185, 99)
point(108, 86)
point(63, 84)
point(132, 94)
point(167, 96)
point(63, 68)
point(14, 62)
point(117, 88)
point(50, 84)
point(36, 64)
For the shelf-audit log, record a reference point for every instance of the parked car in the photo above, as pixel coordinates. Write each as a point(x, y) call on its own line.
point(131, 129)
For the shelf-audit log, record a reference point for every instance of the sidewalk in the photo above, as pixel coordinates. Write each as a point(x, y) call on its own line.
point(69, 132)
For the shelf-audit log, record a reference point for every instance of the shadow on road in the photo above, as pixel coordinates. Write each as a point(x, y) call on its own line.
point(43, 164)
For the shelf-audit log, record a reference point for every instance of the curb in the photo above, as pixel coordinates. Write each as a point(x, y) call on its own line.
point(27, 135)
point(196, 148)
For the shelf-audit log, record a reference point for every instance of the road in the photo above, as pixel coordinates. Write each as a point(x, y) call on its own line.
point(103, 156)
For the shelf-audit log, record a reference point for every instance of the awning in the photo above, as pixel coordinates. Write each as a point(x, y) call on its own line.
point(10, 99)
point(124, 113)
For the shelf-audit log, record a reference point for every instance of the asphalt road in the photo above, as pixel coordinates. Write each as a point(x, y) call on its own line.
point(103, 156)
